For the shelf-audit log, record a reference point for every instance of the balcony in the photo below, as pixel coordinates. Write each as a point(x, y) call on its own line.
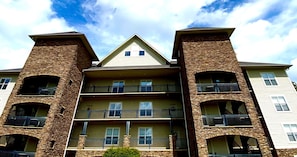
point(25, 121)
point(18, 146)
point(217, 87)
point(105, 114)
point(226, 120)
point(28, 115)
point(131, 89)
point(216, 82)
point(233, 146)
point(235, 155)
point(39, 85)
point(4, 153)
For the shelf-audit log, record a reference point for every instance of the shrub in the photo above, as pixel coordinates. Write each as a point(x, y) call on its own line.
point(121, 152)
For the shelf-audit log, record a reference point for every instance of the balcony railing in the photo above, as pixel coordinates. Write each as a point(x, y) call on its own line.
point(149, 143)
point(226, 119)
point(217, 87)
point(6, 153)
point(106, 114)
point(40, 91)
point(234, 155)
point(103, 142)
point(25, 121)
point(132, 88)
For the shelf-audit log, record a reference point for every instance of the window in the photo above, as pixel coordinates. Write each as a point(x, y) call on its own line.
point(146, 86)
point(127, 53)
point(4, 83)
point(280, 103)
point(115, 109)
point(112, 135)
point(145, 109)
point(145, 135)
point(118, 87)
point(141, 53)
point(269, 79)
point(291, 130)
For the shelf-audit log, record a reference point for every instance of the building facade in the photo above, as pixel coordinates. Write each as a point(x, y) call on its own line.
point(204, 103)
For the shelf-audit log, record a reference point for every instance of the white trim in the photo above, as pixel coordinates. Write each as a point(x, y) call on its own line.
point(280, 95)
point(114, 116)
point(277, 82)
point(112, 136)
point(145, 136)
point(287, 132)
point(151, 104)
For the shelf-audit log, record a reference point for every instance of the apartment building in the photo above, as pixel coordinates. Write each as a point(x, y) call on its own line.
point(7, 81)
point(276, 98)
point(203, 103)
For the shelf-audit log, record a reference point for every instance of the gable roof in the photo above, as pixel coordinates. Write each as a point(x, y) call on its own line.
point(71, 34)
point(134, 37)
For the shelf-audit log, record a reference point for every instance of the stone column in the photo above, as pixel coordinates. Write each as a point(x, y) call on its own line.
point(81, 141)
point(126, 141)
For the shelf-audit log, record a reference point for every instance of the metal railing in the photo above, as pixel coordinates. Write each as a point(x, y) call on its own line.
point(39, 91)
point(6, 153)
point(106, 114)
point(131, 88)
point(217, 87)
point(103, 142)
point(149, 143)
point(25, 121)
point(226, 119)
point(234, 155)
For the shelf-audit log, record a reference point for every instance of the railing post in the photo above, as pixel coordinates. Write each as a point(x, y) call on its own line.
point(81, 141)
point(126, 141)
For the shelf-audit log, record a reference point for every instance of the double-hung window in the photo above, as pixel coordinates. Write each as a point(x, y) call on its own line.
point(146, 86)
point(115, 109)
point(291, 131)
point(145, 136)
point(4, 83)
point(118, 86)
point(145, 109)
point(280, 103)
point(112, 136)
point(269, 79)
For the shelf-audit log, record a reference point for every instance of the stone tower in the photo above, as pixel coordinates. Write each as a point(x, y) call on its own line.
point(221, 115)
point(39, 111)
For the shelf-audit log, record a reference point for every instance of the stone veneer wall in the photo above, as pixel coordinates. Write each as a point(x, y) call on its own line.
point(214, 52)
point(286, 152)
point(98, 153)
point(64, 58)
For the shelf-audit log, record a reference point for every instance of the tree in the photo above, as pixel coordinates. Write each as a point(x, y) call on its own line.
point(121, 152)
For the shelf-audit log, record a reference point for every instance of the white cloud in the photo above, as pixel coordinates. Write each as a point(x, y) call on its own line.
point(155, 21)
point(18, 19)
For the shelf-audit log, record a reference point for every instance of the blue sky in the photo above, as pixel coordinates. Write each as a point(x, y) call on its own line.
point(265, 31)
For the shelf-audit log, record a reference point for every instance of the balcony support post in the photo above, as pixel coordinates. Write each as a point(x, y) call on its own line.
point(126, 141)
point(81, 141)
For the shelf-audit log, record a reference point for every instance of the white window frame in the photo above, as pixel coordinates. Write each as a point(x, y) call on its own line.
point(4, 84)
point(143, 109)
point(145, 136)
point(118, 86)
point(291, 131)
point(147, 84)
point(269, 79)
point(112, 136)
point(115, 110)
point(279, 104)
